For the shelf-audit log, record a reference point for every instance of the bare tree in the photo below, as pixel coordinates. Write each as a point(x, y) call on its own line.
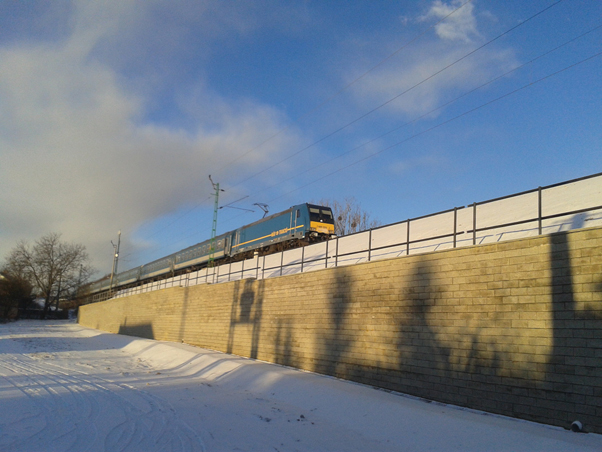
point(349, 217)
point(53, 268)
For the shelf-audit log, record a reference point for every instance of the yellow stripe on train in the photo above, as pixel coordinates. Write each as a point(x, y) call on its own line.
point(323, 228)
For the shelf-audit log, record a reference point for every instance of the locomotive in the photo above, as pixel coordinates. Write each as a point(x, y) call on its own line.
point(299, 225)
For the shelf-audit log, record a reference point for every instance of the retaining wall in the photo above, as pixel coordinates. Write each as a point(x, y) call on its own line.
point(513, 328)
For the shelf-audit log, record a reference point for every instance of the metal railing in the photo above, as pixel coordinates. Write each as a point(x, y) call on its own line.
point(569, 205)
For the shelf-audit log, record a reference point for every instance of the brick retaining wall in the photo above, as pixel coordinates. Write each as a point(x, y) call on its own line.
point(513, 328)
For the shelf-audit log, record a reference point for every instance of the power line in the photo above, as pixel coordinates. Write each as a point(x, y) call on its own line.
point(440, 107)
point(344, 88)
point(430, 129)
point(336, 94)
point(400, 94)
point(371, 111)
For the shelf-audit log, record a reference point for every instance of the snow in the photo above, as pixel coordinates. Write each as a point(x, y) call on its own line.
point(64, 387)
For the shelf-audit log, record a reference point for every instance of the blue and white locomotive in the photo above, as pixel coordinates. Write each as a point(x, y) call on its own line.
point(298, 226)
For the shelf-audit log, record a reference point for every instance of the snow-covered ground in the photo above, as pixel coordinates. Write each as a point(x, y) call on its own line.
point(68, 388)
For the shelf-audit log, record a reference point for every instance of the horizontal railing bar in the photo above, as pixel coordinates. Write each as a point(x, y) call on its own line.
point(531, 220)
point(572, 181)
point(139, 286)
point(559, 184)
point(572, 212)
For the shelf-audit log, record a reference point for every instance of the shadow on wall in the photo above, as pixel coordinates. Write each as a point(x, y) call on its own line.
point(142, 330)
point(335, 339)
point(283, 343)
point(435, 360)
point(422, 355)
point(441, 359)
point(180, 334)
point(246, 310)
point(426, 363)
point(574, 373)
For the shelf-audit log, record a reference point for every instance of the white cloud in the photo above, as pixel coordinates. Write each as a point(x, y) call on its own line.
point(75, 156)
point(459, 26)
point(433, 71)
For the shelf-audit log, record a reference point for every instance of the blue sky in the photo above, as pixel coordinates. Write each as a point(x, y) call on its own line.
point(113, 114)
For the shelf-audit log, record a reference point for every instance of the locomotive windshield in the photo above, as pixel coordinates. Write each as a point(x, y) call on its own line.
point(321, 214)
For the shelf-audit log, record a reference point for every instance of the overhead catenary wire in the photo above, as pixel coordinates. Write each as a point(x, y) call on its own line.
point(317, 107)
point(347, 86)
point(440, 107)
point(387, 102)
point(424, 80)
point(461, 115)
point(430, 129)
point(444, 122)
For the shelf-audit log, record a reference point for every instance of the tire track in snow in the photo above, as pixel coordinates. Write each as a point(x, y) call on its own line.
point(165, 432)
point(138, 420)
point(61, 403)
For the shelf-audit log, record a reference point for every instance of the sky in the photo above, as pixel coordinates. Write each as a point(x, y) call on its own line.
point(113, 114)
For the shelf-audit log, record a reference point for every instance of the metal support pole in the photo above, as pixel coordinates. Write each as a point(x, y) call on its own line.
point(115, 259)
point(214, 225)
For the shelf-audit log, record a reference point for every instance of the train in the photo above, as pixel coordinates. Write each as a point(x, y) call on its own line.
point(297, 226)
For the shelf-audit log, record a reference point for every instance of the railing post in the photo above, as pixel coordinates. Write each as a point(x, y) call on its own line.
point(336, 254)
point(408, 239)
point(539, 210)
point(455, 224)
point(326, 260)
point(369, 245)
point(474, 223)
point(302, 257)
point(281, 261)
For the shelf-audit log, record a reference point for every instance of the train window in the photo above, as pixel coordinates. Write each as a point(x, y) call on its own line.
point(323, 215)
point(298, 213)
